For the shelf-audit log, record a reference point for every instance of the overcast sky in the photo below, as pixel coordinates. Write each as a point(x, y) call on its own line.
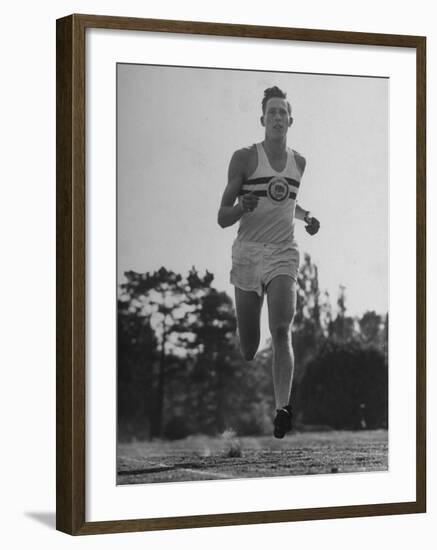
point(177, 130)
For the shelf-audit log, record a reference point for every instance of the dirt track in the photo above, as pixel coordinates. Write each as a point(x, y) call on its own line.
point(227, 457)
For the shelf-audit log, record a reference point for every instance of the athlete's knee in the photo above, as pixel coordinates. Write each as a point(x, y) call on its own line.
point(281, 333)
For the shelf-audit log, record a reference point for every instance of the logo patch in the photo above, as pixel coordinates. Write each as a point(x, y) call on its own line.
point(277, 190)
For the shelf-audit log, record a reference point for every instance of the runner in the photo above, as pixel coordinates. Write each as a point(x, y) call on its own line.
point(264, 179)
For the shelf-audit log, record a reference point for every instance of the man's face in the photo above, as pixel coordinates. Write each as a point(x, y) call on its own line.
point(276, 118)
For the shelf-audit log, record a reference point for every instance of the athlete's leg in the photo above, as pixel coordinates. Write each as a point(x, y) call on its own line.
point(281, 301)
point(248, 305)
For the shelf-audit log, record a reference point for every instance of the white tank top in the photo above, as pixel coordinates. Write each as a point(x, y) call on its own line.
point(272, 221)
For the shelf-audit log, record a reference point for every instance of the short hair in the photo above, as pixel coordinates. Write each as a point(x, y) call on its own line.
point(274, 91)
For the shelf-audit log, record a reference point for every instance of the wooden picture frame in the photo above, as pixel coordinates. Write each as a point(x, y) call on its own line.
point(71, 262)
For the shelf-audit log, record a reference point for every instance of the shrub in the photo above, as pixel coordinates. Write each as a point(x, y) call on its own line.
point(345, 386)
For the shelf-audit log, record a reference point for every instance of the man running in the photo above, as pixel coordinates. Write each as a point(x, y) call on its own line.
point(264, 179)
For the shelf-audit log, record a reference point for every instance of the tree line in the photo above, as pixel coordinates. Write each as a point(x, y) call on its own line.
point(180, 372)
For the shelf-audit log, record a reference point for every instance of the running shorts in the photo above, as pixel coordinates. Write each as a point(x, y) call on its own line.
point(255, 264)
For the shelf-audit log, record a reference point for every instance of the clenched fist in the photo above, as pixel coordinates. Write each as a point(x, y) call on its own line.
point(249, 202)
point(313, 225)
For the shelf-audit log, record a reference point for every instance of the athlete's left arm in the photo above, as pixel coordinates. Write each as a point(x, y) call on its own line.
point(300, 212)
point(312, 223)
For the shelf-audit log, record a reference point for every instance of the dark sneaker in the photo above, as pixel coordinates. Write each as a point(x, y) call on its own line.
point(282, 422)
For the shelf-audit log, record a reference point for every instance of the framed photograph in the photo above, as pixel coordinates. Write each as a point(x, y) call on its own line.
point(241, 216)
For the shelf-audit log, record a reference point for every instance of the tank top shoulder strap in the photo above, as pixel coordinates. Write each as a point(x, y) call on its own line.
point(260, 161)
point(262, 158)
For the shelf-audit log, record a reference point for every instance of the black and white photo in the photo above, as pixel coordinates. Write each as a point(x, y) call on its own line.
point(252, 273)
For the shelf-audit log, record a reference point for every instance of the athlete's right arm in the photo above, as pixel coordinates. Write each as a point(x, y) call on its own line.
point(229, 212)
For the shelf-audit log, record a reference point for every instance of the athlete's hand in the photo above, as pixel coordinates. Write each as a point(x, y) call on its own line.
point(313, 226)
point(249, 202)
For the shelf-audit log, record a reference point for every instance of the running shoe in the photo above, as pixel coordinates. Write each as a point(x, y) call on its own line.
point(282, 422)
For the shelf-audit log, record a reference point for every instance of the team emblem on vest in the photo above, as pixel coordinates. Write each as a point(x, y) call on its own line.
point(277, 190)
